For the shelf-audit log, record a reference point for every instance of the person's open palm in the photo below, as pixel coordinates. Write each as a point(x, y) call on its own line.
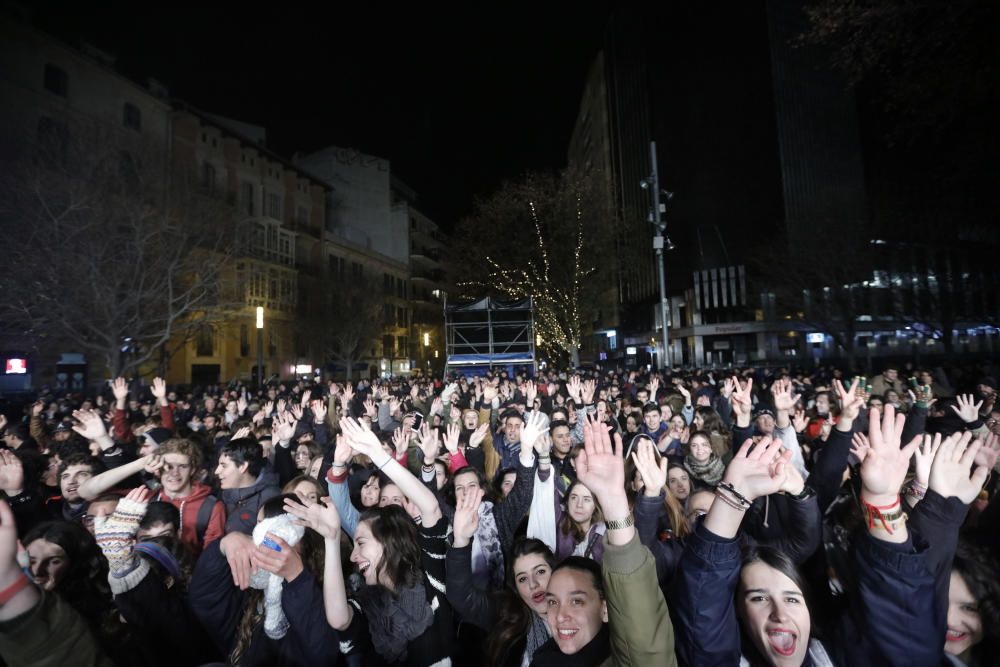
point(600, 465)
point(321, 517)
point(886, 463)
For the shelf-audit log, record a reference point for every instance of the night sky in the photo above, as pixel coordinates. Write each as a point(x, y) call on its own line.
point(458, 101)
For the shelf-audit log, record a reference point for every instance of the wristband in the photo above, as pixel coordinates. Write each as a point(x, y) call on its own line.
point(886, 514)
point(385, 463)
point(336, 478)
point(619, 524)
point(19, 585)
point(728, 501)
point(736, 495)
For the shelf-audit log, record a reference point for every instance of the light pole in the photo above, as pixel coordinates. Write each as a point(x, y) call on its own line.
point(659, 242)
point(260, 347)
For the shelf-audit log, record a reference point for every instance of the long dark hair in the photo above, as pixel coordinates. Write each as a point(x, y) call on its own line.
point(776, 560)
point(313, 554)
point(401, 560)
point(568, 526)
point(514, 617)
point(84, 585)
point(489, 493)
point(979, 572)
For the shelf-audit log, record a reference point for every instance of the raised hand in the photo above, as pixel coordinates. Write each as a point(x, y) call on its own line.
point(532, 430)
point(729, 385)
point(968, 409)
point(429, 443)
point(799, 421)
point(268, 408)
point(530, 392)
point(600, 465)
point(742, 399)
point(781, 393)
point(490, 390)
point(653, 387)
point(437, 406)
point(241, 405)
point(304, 401)
point(466, 521)
point(370, 408)
point(281, 406)
point(587, 393)
point(321, 517)
point(342, 453)
point(760, 471)
point(318, 409)
point(159, 389)
point(242, 432)
point(283, 427)
point(574, 388)
point(988, 453)
point(476, 437)
point(950, 471)
point(886, 462)
point(924, 455)
point(120, 389)
point(393, 406)
point(91, 425)
point(362, 439)
point(400, 440)
point(654, 475)
point(850, 401)
point(451, 438)
point(11, 473)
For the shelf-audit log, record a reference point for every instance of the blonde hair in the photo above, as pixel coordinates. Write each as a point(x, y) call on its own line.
point(183, 446)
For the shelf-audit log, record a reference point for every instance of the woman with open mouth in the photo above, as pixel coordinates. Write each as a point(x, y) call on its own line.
point(973, 608)
point(400, 615)
point(752, 609)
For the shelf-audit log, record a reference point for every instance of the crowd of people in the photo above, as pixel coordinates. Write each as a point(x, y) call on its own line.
point(588, 517)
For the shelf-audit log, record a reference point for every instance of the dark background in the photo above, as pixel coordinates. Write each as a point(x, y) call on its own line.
point(457, 100)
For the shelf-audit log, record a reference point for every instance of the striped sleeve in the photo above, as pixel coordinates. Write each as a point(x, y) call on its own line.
point(433, 548)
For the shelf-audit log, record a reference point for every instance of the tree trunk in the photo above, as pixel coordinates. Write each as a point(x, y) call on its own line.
point(350, 368)
point(574, 356)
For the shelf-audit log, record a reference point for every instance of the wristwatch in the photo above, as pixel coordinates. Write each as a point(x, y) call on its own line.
point(619, 524)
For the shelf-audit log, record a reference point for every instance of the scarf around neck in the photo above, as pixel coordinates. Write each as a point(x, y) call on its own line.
point(710, 472)
point(394, 621)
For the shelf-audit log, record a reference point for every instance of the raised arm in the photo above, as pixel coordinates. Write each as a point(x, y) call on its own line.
point(702, 597)
point(364, 441)
point(110, 479)
point(475, 605)
point(641, 632)
point(323, 518)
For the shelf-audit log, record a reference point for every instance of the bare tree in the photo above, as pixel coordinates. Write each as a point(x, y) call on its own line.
point(116, 253)
point(541, 238)
point(345, 325)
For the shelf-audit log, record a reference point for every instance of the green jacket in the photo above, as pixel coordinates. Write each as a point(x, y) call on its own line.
point(641, 632)
point(52, 634)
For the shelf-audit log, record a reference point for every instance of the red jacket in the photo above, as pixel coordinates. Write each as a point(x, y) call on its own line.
point(188, 507)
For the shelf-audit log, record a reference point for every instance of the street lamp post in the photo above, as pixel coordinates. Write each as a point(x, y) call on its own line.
point(260, 347)
point(659, 242)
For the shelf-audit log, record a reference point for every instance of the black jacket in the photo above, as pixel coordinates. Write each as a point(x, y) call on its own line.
point(219, 606)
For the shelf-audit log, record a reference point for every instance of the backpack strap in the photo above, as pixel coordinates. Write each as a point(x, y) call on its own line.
point(204, 516)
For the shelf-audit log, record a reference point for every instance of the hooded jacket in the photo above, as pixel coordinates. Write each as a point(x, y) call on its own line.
point(243, 504)
point(189, 506)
